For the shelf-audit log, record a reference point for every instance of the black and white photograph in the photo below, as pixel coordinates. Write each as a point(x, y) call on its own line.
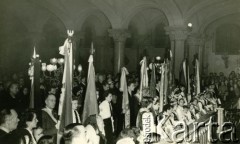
point(119, 71)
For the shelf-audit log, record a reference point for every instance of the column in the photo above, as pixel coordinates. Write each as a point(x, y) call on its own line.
point(178, 35)
point(100, 53)
point(193, 49)
point(119, 37)
point(173, 57)
point(200, 54)
point(196, 45)
point(78, 35)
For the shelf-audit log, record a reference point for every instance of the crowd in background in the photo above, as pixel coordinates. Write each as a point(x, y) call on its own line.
point(19, 124)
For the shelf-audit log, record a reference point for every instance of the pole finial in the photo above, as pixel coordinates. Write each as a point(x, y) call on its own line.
point(92, 50)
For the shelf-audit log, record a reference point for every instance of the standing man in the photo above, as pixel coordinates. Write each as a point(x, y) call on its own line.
point(106, 113)
point(49, 116)
point(10, 100)
point(75, 114)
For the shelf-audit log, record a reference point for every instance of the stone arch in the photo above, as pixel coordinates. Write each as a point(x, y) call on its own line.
point(201, 6)
point(173, 17)
point(213, 18)
point(61, 15)
point(93, 12)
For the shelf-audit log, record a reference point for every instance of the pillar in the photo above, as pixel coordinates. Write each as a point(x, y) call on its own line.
point(100, 45)
point(178, 35)
point(196, 45)
point(119, 37)
point(78, 35)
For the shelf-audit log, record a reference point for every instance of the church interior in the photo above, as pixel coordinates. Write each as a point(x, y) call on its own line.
point(193, 45)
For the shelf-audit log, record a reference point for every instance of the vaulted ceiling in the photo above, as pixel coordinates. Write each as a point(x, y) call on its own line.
point(23, 22)
point(73, 13)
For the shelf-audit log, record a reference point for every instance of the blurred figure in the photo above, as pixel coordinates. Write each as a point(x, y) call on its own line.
point(49, 116)
point(91, 135)
point(97, 123)
point(28, 121)
point(8, 122)
point(73, 134)
point(46, 140)
point(75, 114)
point(38, 133)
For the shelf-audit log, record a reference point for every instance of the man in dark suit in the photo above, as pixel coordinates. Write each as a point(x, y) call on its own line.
point(49, 117)
point(8, 122)
point(11, 99)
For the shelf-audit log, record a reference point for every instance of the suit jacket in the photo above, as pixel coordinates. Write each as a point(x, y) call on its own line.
point(8, 138)
point(48, 124)
point(2, 133)
point(3, 136)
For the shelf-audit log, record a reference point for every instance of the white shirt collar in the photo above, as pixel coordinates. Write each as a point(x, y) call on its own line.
point(48, 109)
point(33, 139)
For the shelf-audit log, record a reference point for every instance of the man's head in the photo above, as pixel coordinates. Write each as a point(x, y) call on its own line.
point(13, 89)
point(74, 103)
point(181, 102)
point(101, 78)
point(131, 85)
point(52, 91)
point(9, 119)
point(182, 88)
point(74, 133)
point(21, 82)
point(50, 101)
point(105, 86)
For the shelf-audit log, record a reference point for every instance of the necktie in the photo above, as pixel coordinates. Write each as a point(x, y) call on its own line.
point(76, 116)
point(111, 108)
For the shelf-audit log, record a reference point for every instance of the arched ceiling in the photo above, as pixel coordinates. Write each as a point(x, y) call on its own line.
point(147, 20)
point(119, 13)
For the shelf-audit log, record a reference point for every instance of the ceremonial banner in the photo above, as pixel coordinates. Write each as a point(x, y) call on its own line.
point(31, 73)
point(125, 100)
point(161, 94)
point(144, 76)
point(90, 103)
point(197, 78)
point(185, 71)
point(34, 73)
point(65, 102)
point(166, 88)
point(189, 96)
point(153, 82)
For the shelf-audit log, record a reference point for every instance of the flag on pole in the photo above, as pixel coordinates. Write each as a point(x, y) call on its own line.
point(65, 102)
point(189, 96)
point(34, 72)
point(185, 71)
point(144, 76)
point(166, 88)
point(90, 102)
point(197, 78)
point(161, 94)
point(153, 81)
point(125, 100)
point(31, 73)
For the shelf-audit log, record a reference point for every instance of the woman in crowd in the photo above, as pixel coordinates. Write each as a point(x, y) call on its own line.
point(28, 122)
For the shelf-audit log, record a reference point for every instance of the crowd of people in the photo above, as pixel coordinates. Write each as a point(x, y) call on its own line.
point(21, 125)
